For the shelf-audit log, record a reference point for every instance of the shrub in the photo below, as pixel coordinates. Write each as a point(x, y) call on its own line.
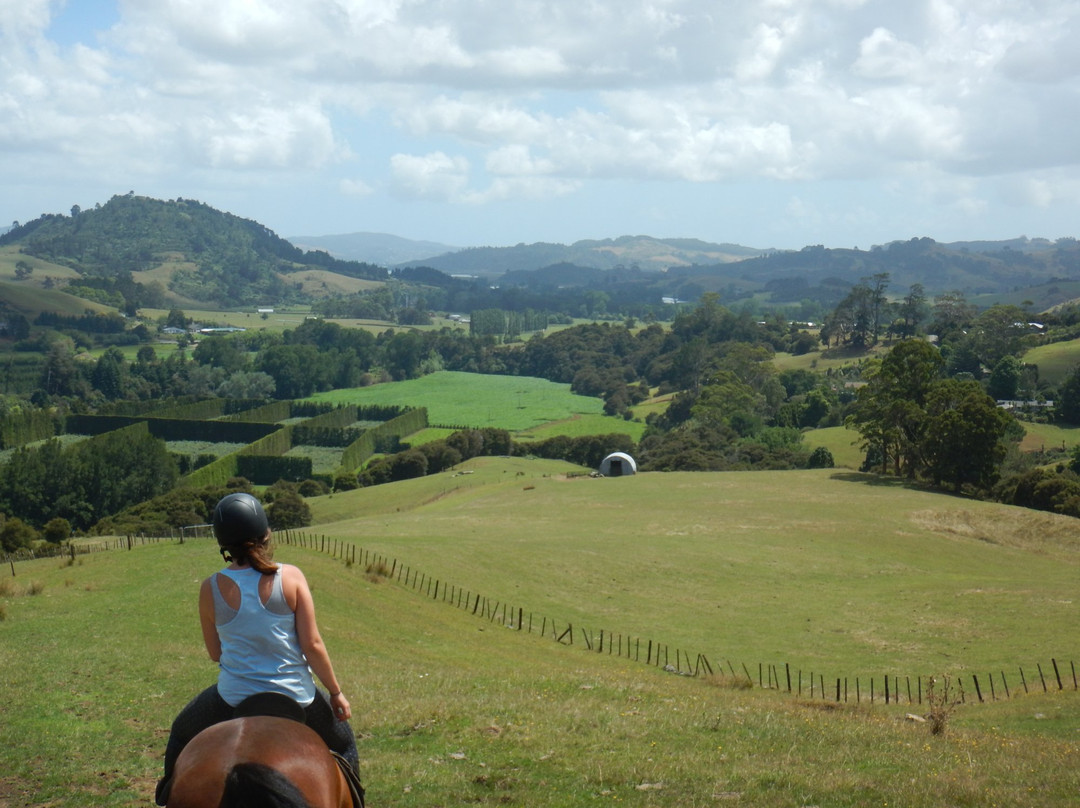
point(345, 481)
point(943, 701)
point(820, 458)
point(288, 510)
point(56, 530)
point(313, 488)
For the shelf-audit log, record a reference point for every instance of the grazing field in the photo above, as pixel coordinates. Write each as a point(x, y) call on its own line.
point(582, 425)
point(1056, 361)
point(475, 400)
point(1039, 437)
point(820, 568)
point(822, 361)
point(841, 441)
point(31, 300)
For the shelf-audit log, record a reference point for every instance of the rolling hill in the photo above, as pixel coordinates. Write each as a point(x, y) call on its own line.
point(184, 252)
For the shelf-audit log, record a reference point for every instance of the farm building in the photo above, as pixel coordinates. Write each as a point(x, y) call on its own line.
point(618, 464)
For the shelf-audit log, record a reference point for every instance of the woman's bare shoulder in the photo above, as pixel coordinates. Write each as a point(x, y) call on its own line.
point(290, 572)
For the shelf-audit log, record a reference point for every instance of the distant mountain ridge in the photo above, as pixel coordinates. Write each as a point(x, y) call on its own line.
point(643, 252)
point(152, 252)
point(382, 249)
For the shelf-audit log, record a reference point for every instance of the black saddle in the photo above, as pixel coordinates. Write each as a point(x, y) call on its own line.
point(275, 705)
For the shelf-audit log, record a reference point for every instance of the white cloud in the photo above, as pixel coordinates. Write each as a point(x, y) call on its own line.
point(23, 18)
point(430, 176)
point(355, 187)
point(547, 96)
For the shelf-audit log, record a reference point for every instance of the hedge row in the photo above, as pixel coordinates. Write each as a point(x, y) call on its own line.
point(267, 469)
point(339, 417)
point(205, 410)
point(309, 409)
point(172, 428)
point(358, 452)
point(266, 414)
point(26, 426)
point(337, 437)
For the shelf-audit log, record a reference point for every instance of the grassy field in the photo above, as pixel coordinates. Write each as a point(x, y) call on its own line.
point(1056, 361)
point(469, 399)
point(1038, 437)
point(841, 441)
point(828, 360)
point(818, 568)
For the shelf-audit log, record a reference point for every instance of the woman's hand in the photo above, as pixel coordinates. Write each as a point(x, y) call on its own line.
point(340, 705)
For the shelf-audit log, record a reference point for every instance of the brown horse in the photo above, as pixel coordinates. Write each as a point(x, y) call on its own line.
point(258, 760)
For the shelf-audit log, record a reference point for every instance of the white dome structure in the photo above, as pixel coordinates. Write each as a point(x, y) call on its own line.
point(618, 464)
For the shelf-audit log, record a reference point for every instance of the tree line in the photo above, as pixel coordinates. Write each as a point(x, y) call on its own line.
point(920, 415)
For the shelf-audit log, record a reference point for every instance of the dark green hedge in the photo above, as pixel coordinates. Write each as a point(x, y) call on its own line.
point(27, 426)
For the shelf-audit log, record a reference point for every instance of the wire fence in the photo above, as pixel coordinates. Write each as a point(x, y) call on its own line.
point(887, 688)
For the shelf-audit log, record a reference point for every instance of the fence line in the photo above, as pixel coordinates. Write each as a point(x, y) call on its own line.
point(893, 690)
point(768, 676)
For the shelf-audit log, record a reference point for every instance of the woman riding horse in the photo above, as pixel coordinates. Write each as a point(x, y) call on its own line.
point(258, 623)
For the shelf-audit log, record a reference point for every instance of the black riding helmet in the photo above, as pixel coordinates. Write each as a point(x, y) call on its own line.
point(239, 518)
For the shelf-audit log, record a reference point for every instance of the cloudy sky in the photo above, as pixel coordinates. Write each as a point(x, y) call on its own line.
point(768, 123)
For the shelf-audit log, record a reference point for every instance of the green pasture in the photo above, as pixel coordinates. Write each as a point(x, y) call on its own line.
point(657, 405)
point(11, 256)
point(841, 441)
point(1039, 437)
point(822, 361)
point(429, 435)
point(582, 425)
point(475, 400)
point(31, 300)
point(822, 569)
point(828, 570)
point(1056, 361)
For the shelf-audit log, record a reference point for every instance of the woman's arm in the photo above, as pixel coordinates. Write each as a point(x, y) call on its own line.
point(206, 620)
point(311, 642)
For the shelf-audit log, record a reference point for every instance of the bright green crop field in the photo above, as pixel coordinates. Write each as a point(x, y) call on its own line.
point(476, 400)
point(829, 572)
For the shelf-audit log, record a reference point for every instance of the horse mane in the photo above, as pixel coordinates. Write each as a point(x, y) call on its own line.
point(255, 785)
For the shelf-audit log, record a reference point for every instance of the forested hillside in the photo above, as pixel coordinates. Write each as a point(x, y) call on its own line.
point(220, 258)
point(151, 253)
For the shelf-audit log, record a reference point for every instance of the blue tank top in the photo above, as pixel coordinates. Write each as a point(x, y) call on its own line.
point(260, 652)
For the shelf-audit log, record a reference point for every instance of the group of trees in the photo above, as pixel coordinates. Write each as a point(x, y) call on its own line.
point(81, 483)
point(922, 412)
point(922, 424)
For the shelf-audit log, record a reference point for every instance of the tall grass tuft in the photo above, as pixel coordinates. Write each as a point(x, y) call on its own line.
point(943, 700)
point(376, 571)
